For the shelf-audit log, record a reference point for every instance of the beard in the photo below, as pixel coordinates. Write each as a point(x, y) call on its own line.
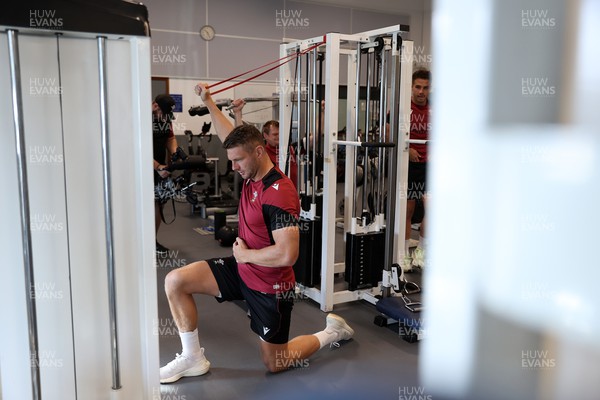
point(249, 172)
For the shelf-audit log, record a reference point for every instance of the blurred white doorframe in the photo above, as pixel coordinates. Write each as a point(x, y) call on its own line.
point(512, 281)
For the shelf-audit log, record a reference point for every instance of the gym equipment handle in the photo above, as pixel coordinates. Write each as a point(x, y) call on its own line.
point(417, 141)
point(364, 144)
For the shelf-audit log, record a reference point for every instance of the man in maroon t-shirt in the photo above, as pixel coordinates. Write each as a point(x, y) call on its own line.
point(417, 168)
point(260, 270)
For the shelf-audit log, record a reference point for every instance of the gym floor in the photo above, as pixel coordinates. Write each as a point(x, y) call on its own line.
point(377, 363)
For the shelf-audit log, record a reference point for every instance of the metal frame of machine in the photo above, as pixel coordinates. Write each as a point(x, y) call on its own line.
point(395, 98)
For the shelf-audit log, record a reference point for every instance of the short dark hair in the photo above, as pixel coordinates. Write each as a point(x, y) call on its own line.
point(247, 136)
point(421, 73)
point(165, 102)
point(267, 126)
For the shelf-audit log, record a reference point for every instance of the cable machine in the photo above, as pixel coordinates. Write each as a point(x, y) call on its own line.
point(76, 238)
point(372, 228)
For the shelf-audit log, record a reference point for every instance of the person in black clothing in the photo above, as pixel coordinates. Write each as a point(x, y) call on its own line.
point(164, 145)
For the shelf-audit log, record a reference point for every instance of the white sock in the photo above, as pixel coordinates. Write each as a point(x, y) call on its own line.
point(406, 246)
point(190, 343)
point(422, 242)
point(326, 337)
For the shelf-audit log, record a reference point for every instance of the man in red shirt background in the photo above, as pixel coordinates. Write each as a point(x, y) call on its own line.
point(417, 168)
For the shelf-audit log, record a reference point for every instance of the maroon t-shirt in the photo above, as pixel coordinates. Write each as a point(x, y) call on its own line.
point(273, 153)
point(265, 206)
point(419, 128)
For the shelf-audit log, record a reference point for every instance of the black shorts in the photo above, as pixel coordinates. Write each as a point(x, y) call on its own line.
point(417, 180)
point(270, 314)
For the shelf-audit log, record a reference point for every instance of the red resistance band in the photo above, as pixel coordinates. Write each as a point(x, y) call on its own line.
point(290, 57)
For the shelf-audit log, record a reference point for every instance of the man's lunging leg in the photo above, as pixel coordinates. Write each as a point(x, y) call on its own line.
point(295, 353)
point(180, 285)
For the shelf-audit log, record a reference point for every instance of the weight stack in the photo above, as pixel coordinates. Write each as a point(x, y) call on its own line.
point(365, 254)
point(308, 266)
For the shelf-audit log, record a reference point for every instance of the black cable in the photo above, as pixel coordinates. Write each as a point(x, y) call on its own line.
point(321, 57)
point(287, 160)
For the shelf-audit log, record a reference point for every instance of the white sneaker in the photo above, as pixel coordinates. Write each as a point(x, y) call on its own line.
point(419, 257)
point(339, 325)
point(184, 366)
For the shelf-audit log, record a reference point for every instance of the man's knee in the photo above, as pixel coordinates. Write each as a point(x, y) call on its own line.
point(272, 364)
point(274, 358)
point(191, 279)
point(174, 281)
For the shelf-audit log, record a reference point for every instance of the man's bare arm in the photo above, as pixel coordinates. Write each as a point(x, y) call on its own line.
point(220, 122)
point(237, 106)
point(283, 253)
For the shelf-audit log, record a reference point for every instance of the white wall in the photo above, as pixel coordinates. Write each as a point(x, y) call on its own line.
point(250, 36)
